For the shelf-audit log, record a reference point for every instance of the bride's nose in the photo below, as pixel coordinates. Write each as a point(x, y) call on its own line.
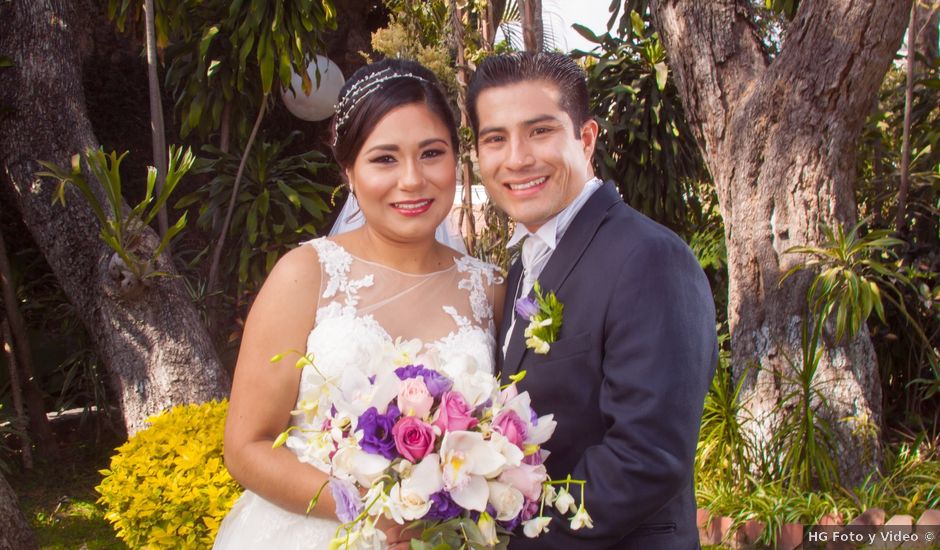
point(411, 177)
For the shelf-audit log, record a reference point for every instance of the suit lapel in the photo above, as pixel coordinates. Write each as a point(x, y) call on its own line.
point(566, 255)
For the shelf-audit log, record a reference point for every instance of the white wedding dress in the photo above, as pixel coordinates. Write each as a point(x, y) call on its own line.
point(368, 315)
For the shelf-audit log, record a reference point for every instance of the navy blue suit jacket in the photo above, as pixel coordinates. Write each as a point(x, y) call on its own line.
point(626, 379)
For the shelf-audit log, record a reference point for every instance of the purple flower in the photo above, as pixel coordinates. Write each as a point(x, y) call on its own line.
point(436, 382)
point(348, 504)
point(442, 507)
point(526, 307)
point(377, 436)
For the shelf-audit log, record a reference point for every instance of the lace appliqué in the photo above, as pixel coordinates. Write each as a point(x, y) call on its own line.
point(480, 276)
point(336, 262)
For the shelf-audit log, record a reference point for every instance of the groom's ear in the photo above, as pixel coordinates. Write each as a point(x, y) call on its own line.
point(589, 131)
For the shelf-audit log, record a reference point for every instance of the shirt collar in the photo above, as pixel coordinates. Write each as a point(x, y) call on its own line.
point(554, 229)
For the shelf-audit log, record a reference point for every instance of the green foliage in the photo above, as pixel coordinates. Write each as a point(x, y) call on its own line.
point(645, 145)
point(803, 443)
point(279, 202)
point(725, 451)
point(222, 52)
point(121, 229)
point(167, 487)
point(403, 40)
point(852, 272)
point(908, 486)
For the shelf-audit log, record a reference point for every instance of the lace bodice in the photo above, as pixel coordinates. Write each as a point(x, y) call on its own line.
point(372, 319)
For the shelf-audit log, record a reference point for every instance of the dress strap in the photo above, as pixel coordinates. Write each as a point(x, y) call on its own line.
point(335, 261)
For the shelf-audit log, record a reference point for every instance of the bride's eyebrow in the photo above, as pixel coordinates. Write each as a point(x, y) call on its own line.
point(391, 147)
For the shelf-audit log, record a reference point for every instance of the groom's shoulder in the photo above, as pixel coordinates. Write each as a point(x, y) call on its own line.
point(631, 232)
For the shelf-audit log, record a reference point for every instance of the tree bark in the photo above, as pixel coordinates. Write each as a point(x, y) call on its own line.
point(779, 138)
point(157, 352)
point(15, 533)
point(532, 32)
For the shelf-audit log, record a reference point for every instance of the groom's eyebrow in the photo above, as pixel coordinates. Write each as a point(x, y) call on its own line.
point(530, 122)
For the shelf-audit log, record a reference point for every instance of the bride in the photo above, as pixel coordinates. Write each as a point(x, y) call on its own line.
point(339, 297)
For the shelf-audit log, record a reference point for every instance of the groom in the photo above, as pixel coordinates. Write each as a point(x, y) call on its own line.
point(627, 376)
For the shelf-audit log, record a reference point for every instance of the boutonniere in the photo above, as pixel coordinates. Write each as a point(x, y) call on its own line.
point(544, 315)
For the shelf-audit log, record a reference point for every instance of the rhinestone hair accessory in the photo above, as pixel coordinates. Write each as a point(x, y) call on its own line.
point(362, 89)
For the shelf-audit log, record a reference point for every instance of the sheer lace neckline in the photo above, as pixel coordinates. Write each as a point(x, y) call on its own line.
point(405, 273)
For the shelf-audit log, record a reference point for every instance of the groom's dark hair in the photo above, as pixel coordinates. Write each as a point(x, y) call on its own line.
point(513, 68)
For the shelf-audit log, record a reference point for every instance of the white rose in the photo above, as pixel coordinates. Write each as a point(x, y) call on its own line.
point(507, 500)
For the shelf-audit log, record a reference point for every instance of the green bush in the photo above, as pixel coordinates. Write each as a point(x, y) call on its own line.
point(167, 487)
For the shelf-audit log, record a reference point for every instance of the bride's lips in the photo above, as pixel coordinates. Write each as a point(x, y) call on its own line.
point(527, 186)
point(413, 207)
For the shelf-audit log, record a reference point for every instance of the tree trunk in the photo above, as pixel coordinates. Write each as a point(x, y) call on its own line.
point(21, 367)
point(532, 33)
point(15, 533)
point(779, 139)
point(466, 221)
point(157, 351)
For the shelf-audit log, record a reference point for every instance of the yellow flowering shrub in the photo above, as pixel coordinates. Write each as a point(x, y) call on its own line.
point(167, 487)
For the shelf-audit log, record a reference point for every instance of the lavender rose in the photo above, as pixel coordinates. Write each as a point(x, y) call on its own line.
point(512, 427)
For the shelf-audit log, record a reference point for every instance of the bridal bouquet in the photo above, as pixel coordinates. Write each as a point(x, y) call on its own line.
point(456, 457)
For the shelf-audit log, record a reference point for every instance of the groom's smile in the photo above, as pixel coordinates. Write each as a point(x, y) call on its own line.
point(532, 160)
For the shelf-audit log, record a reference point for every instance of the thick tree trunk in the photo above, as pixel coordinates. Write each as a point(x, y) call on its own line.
point(15, 533)
point(779, 139)
point(154, 345)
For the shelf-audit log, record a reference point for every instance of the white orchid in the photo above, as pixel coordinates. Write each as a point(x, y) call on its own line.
point(535, 526)
point(467, 461)
point(352, 462)
point(488, 529)
point(581, 519)
point(564, 502)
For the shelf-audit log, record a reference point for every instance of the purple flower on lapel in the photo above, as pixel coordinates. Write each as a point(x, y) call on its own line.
point(526, 307)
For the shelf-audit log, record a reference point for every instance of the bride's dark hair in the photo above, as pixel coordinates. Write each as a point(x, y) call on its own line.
point(375, 90)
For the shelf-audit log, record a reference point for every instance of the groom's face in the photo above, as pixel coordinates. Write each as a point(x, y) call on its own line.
point(532, 160)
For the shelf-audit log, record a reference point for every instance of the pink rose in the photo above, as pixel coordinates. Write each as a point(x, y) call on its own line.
point(512, 427)
point(414, 399)
point(414, 438)
point(527, 479)
point(453, 414)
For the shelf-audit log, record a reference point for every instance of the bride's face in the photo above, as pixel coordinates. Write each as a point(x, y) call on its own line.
point(405, 174)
